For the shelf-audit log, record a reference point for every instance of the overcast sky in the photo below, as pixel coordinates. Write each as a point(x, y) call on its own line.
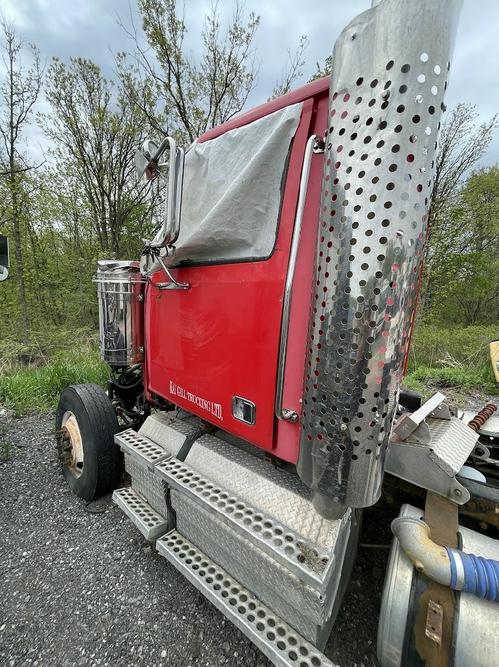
point(90, 28)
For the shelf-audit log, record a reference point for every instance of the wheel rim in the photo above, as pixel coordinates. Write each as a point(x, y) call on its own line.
point(74, 444)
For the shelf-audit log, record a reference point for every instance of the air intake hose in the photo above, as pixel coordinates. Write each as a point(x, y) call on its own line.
point(447, 566)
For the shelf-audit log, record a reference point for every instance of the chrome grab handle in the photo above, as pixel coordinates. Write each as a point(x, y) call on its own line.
point(310, 149)
point(171, 285)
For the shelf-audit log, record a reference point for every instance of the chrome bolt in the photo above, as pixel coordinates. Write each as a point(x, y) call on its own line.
point(289, 416)
point(319, 145)
point(458, 493)
point(344, 428)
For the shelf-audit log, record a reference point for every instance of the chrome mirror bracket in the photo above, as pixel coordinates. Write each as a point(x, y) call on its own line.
point(164, 164)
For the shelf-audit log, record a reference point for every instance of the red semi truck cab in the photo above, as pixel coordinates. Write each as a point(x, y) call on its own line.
point(257, 350)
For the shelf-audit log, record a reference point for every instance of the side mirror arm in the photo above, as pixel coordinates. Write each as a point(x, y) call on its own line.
point(170, 227)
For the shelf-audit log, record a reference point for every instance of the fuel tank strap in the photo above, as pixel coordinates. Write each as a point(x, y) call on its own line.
point(433, 630)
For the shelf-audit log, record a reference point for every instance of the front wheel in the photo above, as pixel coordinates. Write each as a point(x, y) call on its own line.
point(86, 423)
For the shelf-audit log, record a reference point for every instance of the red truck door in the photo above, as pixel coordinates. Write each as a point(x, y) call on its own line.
point(218, 342)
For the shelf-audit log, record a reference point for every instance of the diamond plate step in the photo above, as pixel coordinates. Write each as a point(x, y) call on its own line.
point(311, 564)
point(300, 605)
point(451, 443)
point(258, 482)
point(141, 448)
point(147, 484)
point(277, 640)
point(171, 433)
point(150, 523)
point(432, 456)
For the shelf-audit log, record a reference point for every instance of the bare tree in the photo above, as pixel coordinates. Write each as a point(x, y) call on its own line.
point(95, 130)
point(196, 95)
point(293, 70)
point(184, 96)
point(461, 146)
point(19, 92)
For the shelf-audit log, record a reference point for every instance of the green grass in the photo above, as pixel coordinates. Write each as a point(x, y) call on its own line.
point(44, 347)
point(28, 389)
point(453, 358)
point(458, 347)
point(428, 380)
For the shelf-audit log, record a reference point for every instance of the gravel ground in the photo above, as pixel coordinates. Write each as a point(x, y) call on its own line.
point(80, 586)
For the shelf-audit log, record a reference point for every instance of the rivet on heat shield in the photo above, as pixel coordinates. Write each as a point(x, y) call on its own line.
point(343, 428)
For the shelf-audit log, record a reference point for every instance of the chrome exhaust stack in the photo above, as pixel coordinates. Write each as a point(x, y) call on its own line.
point(386, 99)
point(120, 290)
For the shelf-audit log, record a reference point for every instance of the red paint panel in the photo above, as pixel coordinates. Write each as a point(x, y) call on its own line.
point(220, 338)
point(137, 306)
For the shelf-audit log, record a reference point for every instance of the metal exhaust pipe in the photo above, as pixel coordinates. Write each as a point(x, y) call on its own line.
point(445, 565)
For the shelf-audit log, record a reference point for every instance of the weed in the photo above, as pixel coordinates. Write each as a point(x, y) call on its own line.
point(7, 451)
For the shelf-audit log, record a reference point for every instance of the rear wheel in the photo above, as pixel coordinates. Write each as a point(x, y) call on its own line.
point(86, 423)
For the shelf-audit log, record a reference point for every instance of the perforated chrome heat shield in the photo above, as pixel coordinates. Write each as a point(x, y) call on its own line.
point(390, 68)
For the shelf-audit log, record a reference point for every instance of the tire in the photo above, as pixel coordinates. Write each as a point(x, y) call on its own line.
point(87, 410)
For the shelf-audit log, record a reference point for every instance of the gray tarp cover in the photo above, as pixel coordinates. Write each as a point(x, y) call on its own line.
point(232, 191)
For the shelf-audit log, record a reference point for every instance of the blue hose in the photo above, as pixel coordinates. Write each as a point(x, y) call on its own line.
point(474, 574)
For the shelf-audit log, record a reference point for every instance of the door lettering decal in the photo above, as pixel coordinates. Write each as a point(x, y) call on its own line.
point(209, 406)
